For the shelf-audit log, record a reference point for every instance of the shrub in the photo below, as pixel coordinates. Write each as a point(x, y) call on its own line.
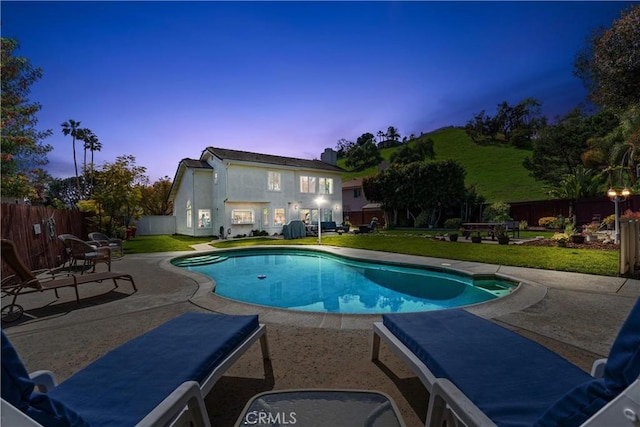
point(560, 237)
point(497, 212)
point(559, 222)
point(570, 230)
point(610, 220)
point(422, 220)
point(523, 225)
point(546, 221)
point(454, 223)
point(629, 214)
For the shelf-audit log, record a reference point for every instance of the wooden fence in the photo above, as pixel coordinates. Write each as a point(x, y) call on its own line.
point(585, 209)
point(629, 247)
point(35, 230)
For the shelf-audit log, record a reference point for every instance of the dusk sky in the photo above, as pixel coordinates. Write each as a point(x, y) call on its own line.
point(164, 80)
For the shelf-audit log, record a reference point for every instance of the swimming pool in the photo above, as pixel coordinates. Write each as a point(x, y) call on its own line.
point(319, 282)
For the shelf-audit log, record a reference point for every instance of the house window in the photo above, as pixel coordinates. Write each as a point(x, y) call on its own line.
point(265, 217)
point(325, 185)
point(242, 216)
point(357, 192)
point(278, 216)
point(307, 184)
point(273, 181)
point(189, 212)
point(204, 218)
point(327, 214)
point(215, 178)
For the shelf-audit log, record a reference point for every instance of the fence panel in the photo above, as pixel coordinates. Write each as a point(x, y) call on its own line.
point(585, 209)
point(156, 224)
point(35, 230)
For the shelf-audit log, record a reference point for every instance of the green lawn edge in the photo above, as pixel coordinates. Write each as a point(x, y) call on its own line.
point(588, 261)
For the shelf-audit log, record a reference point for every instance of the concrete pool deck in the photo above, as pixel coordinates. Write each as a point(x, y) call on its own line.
point(575, 315)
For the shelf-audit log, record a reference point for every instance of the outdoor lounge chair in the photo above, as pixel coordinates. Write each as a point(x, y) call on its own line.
point(25, 281)
point(481, 374)
point(112, 243)
point(89, 254)
point(151, 380)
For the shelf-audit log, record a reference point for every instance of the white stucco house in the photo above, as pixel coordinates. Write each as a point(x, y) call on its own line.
point(235, 192)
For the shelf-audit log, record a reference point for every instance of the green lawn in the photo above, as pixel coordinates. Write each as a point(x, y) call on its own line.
point(164, 243)
point(590, 261)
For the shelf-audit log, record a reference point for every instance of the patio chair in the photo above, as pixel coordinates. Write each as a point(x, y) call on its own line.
point(90, 254)
point(159, 378)
point(25, 281)
point(481, 374)
point(117, 251)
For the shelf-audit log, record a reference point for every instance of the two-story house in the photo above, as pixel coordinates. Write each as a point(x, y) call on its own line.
point(234, 192)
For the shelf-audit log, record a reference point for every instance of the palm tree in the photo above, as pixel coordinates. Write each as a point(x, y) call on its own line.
point(380, 135)
point(92, 144)
point(626, 150)
point(73, 128)
point(584, 182)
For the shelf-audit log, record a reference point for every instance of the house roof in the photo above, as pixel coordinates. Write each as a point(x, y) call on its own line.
point(245, 156)
point(352, 183)
point(182, 167)
point(197, 164)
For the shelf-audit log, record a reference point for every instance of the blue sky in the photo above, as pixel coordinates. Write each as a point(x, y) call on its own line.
point(163, 80)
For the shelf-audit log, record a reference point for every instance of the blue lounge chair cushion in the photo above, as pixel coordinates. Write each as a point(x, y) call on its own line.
point(622, 368)
point(124, 385)
point(511, 379)
point(18, 390)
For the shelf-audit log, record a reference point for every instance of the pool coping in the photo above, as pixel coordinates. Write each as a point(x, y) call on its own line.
point(525, 295)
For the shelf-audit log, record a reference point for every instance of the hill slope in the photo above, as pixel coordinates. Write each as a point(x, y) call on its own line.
point(496, 171)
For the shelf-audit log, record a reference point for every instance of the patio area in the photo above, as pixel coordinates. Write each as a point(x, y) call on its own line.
point(575, 315)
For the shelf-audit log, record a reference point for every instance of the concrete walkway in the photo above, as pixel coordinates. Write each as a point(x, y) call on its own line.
point(576, 315)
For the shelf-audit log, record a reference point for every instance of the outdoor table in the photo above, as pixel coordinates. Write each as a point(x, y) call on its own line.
point(321, 408)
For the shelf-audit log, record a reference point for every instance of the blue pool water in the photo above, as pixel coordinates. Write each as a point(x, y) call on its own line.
point(314, 281)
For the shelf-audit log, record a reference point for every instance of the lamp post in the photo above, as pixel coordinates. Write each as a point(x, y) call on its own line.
point(616, 197)
point(319, 202)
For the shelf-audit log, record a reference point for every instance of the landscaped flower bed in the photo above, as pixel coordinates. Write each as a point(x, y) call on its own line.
point(586, 245)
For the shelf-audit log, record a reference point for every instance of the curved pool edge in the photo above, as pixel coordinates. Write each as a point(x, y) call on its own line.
point(525, 295)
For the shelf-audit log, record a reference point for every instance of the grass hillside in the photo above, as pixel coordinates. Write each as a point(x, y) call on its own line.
point(496, 171)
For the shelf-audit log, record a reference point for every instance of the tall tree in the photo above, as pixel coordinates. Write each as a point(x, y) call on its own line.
point(118, 192)
point(343, 146)
point(22, 152)
point(364, 153)
point(420, 150)
point(64, 191)
point(609, 64)
point(91, 143)
point(72, 128)
point(625, 150)
point(392, 134)
point(559, 148)
point(430, 187)
point(155, 198)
